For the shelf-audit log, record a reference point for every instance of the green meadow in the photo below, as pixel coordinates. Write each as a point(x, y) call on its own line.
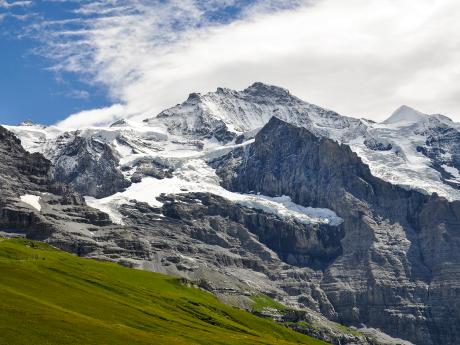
point(48, 296)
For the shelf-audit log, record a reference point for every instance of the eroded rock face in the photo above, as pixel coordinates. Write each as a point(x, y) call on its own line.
point(440, 141)
point(90, 167)
point(151, 168)
point(400, 266)
point(19, 170)
point(234, 252)
point(24, 174)
point(295, 243)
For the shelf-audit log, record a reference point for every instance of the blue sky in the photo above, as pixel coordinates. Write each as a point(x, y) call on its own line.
point(28, 89)
point(82, 62)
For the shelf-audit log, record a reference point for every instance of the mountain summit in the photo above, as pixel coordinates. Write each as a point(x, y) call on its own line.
point(406, 115)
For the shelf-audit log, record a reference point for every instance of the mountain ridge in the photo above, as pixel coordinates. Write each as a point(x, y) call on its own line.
point(423, 155)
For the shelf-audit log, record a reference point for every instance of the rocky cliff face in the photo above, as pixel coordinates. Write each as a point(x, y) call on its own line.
point(399, 269)
point(32, 201)
point(90, 167)
point(21, 171)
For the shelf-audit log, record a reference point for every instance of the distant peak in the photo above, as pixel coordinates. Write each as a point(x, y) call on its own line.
point(262, 89)
point(27, 123)
point(224, 90)
point(194, 96)
point(407, 115)
point(119, 123)
point(30, 123)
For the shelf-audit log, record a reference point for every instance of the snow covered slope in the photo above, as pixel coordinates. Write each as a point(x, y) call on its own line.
point(410, 149)
point(414, 150)
point(168, 153)
point(156, 162)
point(249, 110)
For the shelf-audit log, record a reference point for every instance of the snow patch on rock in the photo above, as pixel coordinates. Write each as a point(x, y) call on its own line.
point(383, 338)
point(453, 171)
point(32, 200)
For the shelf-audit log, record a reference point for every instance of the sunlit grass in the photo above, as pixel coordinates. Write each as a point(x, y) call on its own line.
point(52, 297)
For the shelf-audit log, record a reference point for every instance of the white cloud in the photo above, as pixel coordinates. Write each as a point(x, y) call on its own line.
point(359, 57)
point(6, 4)
point(78, 94)
point(9, 10)
point(94, 117)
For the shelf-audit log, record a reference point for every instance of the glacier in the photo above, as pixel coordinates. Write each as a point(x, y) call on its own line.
point(409, 149)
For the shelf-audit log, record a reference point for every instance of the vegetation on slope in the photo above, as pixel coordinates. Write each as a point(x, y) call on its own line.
point(52, 297)
point(263, 302)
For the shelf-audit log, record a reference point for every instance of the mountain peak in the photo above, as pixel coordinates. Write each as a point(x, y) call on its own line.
point(30, 123)
point(27, 123)
point(261, 89)
point(194, 96)
point(405, 115)
point(119, 123)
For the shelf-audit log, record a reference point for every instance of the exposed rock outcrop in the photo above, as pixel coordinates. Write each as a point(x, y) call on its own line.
point(400, 266)
point(151, 168)
point(24, 174)
point(90, 167)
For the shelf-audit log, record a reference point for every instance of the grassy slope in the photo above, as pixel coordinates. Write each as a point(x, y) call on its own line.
point(262, 302)
point(51, 297)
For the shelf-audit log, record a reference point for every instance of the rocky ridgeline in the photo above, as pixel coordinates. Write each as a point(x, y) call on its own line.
point(399, 269)
point(408, 137)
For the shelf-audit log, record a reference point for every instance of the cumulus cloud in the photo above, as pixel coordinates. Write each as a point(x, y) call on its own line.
point(361, 58)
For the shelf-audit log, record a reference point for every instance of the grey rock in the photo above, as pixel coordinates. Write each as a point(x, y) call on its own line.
point(90, 167)
point(151, 168)
point(62, 209)
point(399, 270)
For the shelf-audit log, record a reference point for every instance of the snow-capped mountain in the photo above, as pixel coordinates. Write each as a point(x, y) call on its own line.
point(244, 111)
point(414, 150)
point(410, 149)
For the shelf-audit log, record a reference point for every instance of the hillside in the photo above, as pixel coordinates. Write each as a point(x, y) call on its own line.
point(52, 297)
